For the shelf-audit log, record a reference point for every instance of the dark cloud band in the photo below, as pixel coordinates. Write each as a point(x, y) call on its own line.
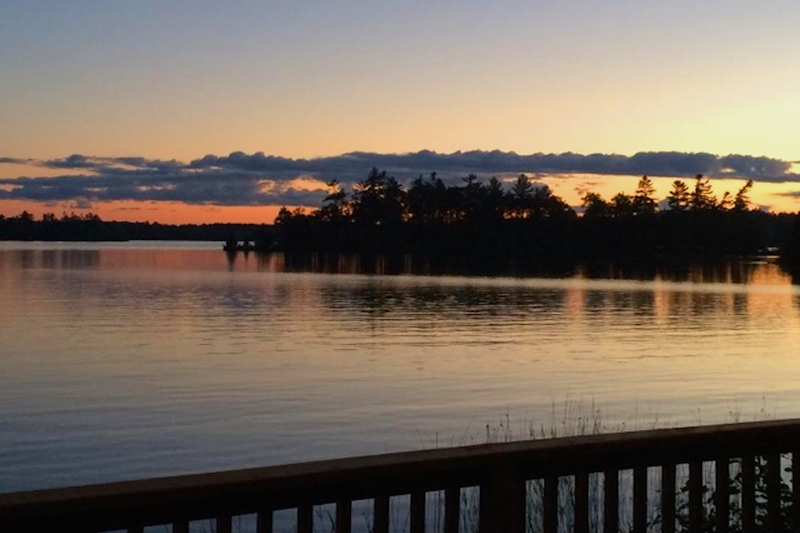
point(259, 179)
point(652, 163)
point(208, 188)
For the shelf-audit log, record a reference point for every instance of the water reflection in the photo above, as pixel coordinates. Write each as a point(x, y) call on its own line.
point(119, 363)
point(738, 271)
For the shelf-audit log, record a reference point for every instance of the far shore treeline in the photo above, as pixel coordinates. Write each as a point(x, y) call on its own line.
point(526, 220)
point(89, 227)
point(491, 220)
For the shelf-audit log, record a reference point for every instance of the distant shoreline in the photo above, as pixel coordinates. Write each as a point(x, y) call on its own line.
point(90, 228)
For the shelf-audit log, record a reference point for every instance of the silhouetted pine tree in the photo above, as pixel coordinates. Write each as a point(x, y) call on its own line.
point(644, 202)
point(703, 198)
point(679, 198)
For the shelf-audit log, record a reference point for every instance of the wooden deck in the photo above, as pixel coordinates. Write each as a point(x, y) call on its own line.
point(499, 470)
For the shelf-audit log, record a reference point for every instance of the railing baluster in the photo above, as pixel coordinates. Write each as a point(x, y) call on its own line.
point(722, 474)
point(264, 521)
point(550, 505)
point(582, 502)
point(452, 509)
point(417, 511)
point(380, 514)
point(180, 527)
point(640, 499)
point(344, 513)
point(774, 493)
point(610, 501)
point(695, 496)
point(305, 518)
point(668, 498)
point(224, 524)
point(796, 490)
point(502, 502)
point(748, 494)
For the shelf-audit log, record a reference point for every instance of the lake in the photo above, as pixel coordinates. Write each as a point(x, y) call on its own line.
point(131, 360)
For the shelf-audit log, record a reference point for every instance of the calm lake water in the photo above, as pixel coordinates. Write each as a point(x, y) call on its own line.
point(130, 360)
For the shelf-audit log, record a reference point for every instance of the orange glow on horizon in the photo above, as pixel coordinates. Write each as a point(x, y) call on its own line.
point(163, 212)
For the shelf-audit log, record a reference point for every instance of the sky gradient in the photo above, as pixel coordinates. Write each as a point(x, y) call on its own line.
point(181, 80)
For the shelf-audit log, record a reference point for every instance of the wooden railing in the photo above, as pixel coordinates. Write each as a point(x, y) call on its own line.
point(500, 471)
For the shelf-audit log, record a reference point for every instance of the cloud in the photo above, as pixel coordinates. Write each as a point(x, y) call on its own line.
point(354, 164)
point(207, 188)
point(80, 203)
point(258, 179)
point(73, 161)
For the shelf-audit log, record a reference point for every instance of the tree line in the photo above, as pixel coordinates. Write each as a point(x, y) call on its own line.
point(90, 227)
point(525, 219)
point(488, 220)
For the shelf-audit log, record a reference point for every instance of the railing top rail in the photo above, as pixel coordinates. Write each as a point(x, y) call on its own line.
point(394, 472)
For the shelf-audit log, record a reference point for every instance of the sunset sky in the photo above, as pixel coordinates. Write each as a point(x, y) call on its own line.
point(139, 93)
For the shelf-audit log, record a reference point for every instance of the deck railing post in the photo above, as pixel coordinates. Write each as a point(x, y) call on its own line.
point(263, 521)
point(452, 509)
point(748, 494)
point(722, 473)
point(774, 520)
point(582, 502)
point(640, 499)
point(381, 514)
point(696, 509)
point(502, 502)
point(796, 490)
point(224, 524)
point(550, 505)
point(611, 501)
point(305, 518)
point(668, 498)
point(344, 512)
point(417, 511)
